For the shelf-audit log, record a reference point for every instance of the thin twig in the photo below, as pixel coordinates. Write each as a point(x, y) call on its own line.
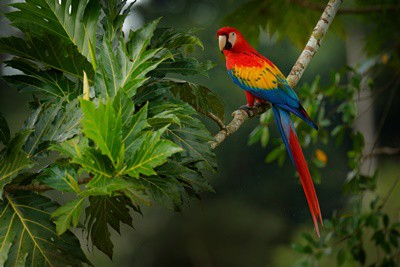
point(239, 116)
point(389, 193)
point(216, 119)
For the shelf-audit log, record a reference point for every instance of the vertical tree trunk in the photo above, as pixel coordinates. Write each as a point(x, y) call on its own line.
point(365, 122)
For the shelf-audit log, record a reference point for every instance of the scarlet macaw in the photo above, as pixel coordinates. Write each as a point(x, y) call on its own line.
point(263, 81)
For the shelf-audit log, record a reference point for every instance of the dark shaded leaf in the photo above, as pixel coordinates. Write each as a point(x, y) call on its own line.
point(186, 175)
point(104, 211)
point(190, 134)
point(198, 96)
point(184, 66)
point(116, 12)
point(172, 39)
point(28, 236)
point(50, 83)
point(49, 51)
point(165, 190)
point(52, 122)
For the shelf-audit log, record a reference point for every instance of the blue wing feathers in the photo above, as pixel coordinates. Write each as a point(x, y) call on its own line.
point(283, 97)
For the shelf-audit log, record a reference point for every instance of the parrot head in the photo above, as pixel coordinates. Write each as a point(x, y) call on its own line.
point(230, 39)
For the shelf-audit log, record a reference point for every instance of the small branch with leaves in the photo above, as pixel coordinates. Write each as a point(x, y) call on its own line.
point(312, 46)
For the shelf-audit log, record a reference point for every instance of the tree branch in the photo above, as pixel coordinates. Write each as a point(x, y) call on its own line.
point(240, 116)
point(383, 151)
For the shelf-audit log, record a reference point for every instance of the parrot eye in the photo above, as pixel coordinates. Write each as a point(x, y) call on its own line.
point(232, 38)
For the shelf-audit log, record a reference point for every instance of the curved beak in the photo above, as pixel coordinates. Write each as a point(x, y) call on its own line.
point(222, 40)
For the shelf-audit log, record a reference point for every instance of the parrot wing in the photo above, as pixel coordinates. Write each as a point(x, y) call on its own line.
point(268, 83)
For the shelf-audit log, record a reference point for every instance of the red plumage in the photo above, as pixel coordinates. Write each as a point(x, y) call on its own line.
point(263, 81)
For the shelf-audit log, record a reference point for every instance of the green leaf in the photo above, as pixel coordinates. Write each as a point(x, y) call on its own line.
point(187, 176)
point(13, 159)
point(116, 12)
point(191, 134)
point(90, 159)
point(28, 236)
point(265, 136)
point(153, 152)
point(165, 190)
point(127, 66)
point(255, 135)
point(184, 66)
point(139, 40)
point(104, 126)
point(71, 21)
point(67, 215)
point(132, 123)
point(60, 176)
point(104, 211)
point(136, 193)
point(274, 154)
point(52, 122)
point(46, 82)
point(172, 39)
point(4, 130)
point(200, 97)
point(49, 51)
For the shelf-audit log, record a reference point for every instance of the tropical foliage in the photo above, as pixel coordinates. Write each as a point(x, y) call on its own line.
point(107, 127)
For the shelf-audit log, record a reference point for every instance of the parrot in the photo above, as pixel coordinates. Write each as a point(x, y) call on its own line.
point(264, 82)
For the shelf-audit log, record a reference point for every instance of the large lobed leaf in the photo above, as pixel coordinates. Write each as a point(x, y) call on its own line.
point(49, 51)
point(126, 66)
point(52, 122)
point(60, 176)
point(152, 152)
point(104, 126)
point(198, 96)
point(190, 133)
point(72, 21)
point(50, 83)
point(28, 237)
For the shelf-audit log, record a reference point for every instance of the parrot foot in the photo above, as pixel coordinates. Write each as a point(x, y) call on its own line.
point(247, 109)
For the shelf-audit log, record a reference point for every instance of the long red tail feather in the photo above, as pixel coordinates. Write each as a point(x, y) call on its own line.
point(305, 178)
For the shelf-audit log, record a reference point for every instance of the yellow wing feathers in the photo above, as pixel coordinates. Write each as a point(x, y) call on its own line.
point(264, 77)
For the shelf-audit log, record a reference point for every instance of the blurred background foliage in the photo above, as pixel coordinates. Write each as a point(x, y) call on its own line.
point(259, 210)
